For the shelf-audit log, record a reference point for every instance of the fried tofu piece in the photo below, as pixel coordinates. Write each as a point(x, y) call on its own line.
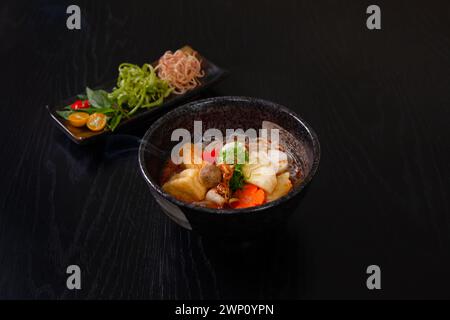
point(186, 186)
point(191, 155)
point(284, 185)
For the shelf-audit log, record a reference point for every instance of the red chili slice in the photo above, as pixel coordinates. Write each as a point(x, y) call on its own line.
point(79, 104)
point(76, 105)
point(85, 104)
point(209, 156)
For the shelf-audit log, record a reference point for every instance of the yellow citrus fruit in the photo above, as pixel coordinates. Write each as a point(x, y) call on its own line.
point(96, 121)
point(78, 119)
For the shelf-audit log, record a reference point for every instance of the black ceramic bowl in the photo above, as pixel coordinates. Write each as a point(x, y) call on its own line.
point(222, 113)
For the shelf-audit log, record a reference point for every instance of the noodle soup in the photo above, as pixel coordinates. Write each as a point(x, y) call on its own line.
point(227, 187)
point(242, 172)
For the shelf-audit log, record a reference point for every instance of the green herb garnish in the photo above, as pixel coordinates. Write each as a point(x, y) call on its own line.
point(232, 153)
point(237, 180)
point(98, 98)
point(64, 113)
point(99, 102)
point(82, 97)
point(235, 153)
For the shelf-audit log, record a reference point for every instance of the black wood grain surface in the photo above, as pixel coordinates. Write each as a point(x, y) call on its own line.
point(379, 101)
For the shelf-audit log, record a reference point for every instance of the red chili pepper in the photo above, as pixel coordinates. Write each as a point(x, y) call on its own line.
point(209, 156)
point(79, 104)
point(85, 104)
point(76, 105)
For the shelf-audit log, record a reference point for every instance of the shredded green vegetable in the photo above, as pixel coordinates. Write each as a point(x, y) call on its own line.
point(138, 88)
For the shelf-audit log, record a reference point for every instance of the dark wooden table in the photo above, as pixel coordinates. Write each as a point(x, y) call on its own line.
point(379, 101)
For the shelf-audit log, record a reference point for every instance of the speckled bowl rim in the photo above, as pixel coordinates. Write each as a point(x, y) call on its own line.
point(224, 99)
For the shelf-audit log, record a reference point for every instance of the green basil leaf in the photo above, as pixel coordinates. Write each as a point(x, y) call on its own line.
point(115, 121)
point(98, 98)
point(98, 110)
point(64, 114)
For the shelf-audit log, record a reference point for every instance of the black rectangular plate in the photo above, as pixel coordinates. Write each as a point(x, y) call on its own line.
point(213, 74)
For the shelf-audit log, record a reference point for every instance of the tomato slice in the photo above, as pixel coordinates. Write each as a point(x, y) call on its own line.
point(96, 121)
point(78, 119)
